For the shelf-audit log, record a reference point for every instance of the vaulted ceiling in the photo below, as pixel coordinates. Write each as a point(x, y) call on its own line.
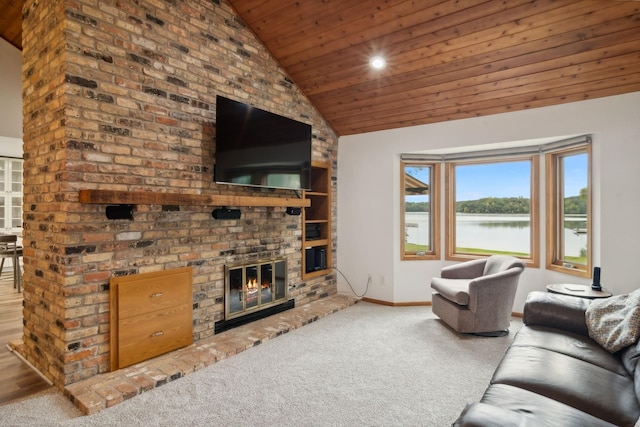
point(11, 22)
point(446, 60)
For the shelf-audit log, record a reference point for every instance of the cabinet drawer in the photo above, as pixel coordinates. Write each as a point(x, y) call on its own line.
point(151, 293)
point(148, 335)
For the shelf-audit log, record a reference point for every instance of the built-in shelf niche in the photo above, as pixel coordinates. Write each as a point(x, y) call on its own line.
point(316, 230)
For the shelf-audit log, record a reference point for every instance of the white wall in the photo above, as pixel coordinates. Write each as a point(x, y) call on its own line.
point(369, 195)
point(11, 104)
point(10, 147)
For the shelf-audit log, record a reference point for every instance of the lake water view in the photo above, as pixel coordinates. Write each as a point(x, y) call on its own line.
point(507, 232)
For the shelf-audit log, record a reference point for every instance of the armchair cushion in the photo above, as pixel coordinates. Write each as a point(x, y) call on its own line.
point(455, 290)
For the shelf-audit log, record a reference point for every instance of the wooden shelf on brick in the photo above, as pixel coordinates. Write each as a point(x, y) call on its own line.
point(181, 199)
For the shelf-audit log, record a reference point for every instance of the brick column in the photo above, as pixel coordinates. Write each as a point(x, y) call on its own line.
point(121, 95)
point(45, 193)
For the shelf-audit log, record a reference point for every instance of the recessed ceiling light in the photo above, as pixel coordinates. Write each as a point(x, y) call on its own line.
point(377, 62)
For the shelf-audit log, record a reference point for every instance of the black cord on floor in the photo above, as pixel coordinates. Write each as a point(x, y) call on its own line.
point(347, 280)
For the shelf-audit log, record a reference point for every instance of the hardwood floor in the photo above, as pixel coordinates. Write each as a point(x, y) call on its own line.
point(17, 378)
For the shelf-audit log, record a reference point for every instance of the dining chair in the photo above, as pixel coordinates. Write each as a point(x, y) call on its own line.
point(9, 249)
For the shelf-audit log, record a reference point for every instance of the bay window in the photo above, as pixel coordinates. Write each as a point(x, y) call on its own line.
point(492, 204)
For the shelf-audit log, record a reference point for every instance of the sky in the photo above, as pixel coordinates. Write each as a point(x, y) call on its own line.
point(512, 179)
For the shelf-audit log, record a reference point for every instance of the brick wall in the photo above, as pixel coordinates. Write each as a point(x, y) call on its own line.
point(121, 95)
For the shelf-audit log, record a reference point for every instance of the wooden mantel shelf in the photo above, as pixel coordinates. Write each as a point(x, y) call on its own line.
point(180, 199)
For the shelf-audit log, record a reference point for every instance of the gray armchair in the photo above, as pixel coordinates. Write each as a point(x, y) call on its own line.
point(477, 296)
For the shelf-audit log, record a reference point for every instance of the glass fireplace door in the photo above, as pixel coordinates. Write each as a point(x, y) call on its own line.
point(255, 286)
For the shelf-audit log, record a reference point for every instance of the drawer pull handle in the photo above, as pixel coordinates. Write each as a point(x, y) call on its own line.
point(157, 295)
point(157, 334)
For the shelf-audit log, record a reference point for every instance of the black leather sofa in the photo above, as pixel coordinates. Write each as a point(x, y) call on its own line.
point(553, 374)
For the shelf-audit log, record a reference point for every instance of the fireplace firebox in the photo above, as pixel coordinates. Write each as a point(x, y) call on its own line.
point(254, 287)
point(254, 291)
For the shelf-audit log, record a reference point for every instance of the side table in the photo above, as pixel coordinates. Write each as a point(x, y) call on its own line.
point(582, 291)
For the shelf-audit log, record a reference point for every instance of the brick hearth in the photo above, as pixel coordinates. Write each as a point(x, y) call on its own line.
point(105, 390)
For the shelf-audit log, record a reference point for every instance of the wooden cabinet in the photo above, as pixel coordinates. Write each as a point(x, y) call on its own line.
point(316, 223)
point(151, 314)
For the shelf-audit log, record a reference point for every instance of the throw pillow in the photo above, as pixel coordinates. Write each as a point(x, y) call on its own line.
point(614, 322)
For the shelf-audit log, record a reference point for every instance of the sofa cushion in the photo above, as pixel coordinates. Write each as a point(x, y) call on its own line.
point(482, 415)
point(630, 357)
point(455, 290)
point(568, 343)
point(636, 381)
point(543, 410)
point(559, 311)
point(587, 387)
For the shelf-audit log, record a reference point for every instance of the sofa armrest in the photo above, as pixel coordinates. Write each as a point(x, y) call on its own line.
point(483, 415)
point(556, 311)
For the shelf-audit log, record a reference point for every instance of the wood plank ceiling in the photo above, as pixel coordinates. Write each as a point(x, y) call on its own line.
point(11, 21)
point(446, 60)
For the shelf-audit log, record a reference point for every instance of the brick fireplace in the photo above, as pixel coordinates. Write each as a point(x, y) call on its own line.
point(121, 96)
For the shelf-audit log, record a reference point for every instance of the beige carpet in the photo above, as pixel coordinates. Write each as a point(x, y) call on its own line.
point(367, 365)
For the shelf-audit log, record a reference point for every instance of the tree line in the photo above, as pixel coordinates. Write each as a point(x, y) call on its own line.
point(502, 205)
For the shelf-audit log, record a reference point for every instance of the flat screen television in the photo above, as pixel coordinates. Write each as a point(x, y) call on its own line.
point(260, 149)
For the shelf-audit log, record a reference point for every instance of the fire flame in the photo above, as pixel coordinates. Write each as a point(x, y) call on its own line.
point(253, 284)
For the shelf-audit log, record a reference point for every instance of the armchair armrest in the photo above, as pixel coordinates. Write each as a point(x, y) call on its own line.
point(466, 270)
point(557, 311)
point(493, 290)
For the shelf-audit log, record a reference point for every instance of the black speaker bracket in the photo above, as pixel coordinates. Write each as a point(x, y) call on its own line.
point(293, 211)
point(121, 211)
point(225, 213)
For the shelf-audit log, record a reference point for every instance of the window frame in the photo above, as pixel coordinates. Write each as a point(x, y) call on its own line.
point(8, 193)
point(434, 205)
point(554, 182)
point(450, 244)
